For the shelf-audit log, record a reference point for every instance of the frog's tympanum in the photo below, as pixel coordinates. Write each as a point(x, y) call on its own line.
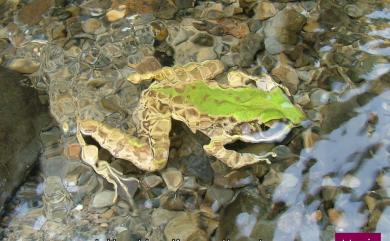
point(225, 113)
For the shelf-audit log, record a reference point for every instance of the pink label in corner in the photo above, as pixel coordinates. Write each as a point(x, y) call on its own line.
point(357, 237)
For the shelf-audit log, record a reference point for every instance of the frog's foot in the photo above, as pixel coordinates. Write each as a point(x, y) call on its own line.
point(184, 73)
point(123, 186)
point(233, 159)
point(89, 154)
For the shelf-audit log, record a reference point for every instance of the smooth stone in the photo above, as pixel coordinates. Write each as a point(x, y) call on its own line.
point(199, 167)
point(182, 4)
point(235, 179)
point(173, 178)
point(103, 199)
point(273, 46)
point(160, 216)
point(218, 197)
point(287, 76)
point(32, 13)
point(205, 54)
point(92, 25)
point(249, 46)
point(151, 181)
point(204, 40)
point(283, 28)
point(185, 227)
point(353, 10)
point(22, 118)
point(319, 97)
point(248, 220)
point(350, 181)
point(273, 178)
point(115, 14)
point(264, 10)
point(24, 66)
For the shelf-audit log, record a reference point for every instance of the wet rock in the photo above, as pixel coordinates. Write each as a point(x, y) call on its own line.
point(190, 52)
point(202, 39)
point(151, 181)
point(350, 181)
point(218, 197)
point(103, 199)
point(319, 97)
point(249, 46)
point(24, 66)
point(172, 178)
point(160, 30)
point(287, 76)
point(32, 12)
point(182, 4)
point(235, 179)
point(93, 25)
point(329, 193)
point(57, 201)
point(336, 217)
point(273, 178)
point(186, 227)
point(199, 167)
point(161, 217)
point(234, 27)
point(172, 201)
point(283, 29)
point(309, 138)
point(246, 219)
point(354, 11)
point(166, 10)
point(116, 14)
point(21, 120)
point(147, 64)
point(264, 10)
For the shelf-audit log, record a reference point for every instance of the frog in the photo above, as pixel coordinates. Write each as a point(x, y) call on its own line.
point(224, 112)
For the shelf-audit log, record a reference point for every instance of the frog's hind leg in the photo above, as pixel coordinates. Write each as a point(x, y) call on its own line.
point(153, 120)
point(233, 159)
point(158, 133)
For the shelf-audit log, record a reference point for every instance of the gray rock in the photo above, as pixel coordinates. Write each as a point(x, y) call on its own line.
point(24, 65)
point(249, 46)
point(21, 119)
point(218, 197)
point(103, 199)
point(283, 29)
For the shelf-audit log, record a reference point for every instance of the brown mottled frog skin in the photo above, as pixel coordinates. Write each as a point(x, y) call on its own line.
point(188, 93)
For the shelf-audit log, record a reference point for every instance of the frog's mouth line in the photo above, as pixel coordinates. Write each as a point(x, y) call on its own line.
point(275, 133)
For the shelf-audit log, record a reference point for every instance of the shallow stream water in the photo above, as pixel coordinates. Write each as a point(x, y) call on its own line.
point(331, 175)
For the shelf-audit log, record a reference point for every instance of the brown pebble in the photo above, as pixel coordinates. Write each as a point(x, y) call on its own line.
point(73, 151)
point(335, 216)
point(316, 216)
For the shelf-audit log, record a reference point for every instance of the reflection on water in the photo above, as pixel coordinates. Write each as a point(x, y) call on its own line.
point(331, 175)
point(349, 158)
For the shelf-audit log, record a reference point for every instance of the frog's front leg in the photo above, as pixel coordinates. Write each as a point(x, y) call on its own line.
point(233, 159)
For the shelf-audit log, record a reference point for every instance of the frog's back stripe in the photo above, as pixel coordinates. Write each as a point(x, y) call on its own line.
point(182, 73)
point(243, 104)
